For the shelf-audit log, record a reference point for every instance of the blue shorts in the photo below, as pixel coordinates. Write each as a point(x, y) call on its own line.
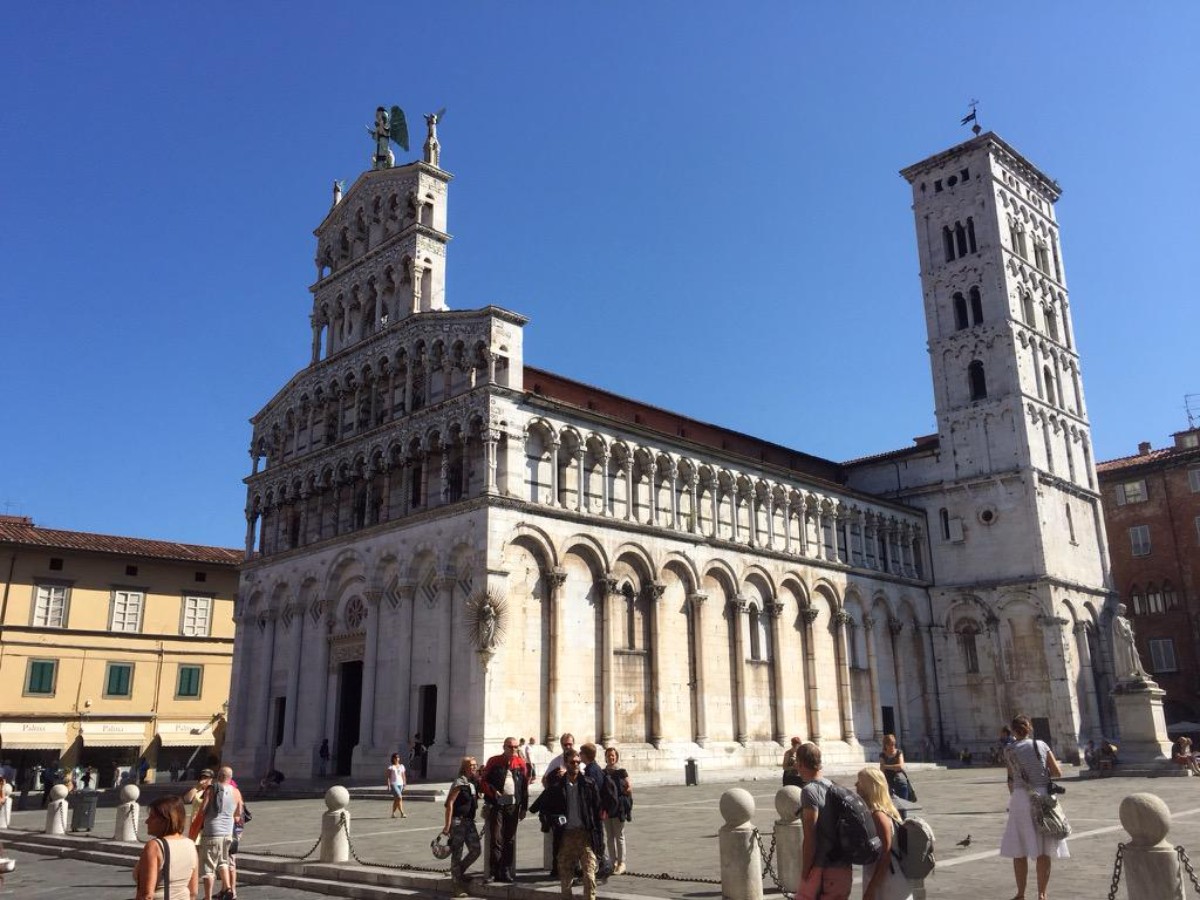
point(397, 789)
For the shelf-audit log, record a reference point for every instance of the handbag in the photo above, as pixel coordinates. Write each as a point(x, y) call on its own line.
point(1048, 815)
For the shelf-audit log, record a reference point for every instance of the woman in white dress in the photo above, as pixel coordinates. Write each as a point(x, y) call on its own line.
point(882, 880)
point(1031, 765)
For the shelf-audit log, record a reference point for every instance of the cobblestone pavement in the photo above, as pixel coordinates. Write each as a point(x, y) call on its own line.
point(675, 828)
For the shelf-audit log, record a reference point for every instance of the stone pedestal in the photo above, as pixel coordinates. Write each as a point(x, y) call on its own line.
point(741, 862)
point(1141, 721)
point(789, 836)
point(335, 839)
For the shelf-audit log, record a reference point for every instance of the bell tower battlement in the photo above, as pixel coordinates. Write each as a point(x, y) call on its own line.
point(381, 255)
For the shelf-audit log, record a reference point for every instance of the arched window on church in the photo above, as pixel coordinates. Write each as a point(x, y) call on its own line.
point(960, 312)
point(944, 518)
point(971, 233)
point(967, 636)
point(977, 381)
point(755, 632)
point(976, 307)
point(631, 616)
point(948, 243)
point(415, 480)
point(1048, 379)
point(960, 238)
point(1027, 309)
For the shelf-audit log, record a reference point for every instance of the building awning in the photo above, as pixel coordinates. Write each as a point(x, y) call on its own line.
point(186, 734)
point(113, 734)
point(33, 735)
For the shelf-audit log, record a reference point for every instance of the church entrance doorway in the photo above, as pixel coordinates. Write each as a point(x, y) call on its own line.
point(427, 713)
point(349, 709)
point(889, 720)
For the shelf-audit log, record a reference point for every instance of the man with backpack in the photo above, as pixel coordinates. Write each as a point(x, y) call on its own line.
point(824, 873)
point(608, 798)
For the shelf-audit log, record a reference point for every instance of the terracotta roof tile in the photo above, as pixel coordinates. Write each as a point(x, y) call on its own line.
point(52, 538)
point(922, 444)
point(1140, 459)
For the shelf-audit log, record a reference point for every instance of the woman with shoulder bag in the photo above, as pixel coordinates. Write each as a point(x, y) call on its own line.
point(169, 868)
point(614, 826)
point(1031, 765)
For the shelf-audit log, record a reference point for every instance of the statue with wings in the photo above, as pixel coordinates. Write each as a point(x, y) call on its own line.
point(389, 126)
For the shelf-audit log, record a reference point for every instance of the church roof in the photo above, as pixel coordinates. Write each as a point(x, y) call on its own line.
point(22, 531)
point(926, 443)
point(599, 402)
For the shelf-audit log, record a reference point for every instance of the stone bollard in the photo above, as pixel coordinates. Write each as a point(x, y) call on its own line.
point(335, 840)
point(56, 810)
point(789, 836)
point(126, 828)
point(6, 805)
point(1151, 864)
point(741, 863)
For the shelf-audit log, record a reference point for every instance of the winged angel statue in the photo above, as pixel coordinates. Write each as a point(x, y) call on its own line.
point(389, 126)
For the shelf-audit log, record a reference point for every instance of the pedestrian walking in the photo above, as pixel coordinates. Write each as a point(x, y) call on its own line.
point(789, 763)
point(819, 875)
point(1031, 765)
point(614, 824)
point(506, 793)
point(323, 756)
point(461, 806)
point(882, 880)
point(418, 756)
point(891, 761)
point(168, 857)
point(220, 809)
point(396, 781)
point(574, 803)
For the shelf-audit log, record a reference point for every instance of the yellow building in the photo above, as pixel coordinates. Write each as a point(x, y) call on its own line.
point(113, 650)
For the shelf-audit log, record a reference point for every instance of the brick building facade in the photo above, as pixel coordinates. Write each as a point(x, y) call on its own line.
point(1152, 513)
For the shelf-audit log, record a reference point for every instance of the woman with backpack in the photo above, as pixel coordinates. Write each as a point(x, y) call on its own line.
point(882, 880)
point(891, 761)
point(618, 813)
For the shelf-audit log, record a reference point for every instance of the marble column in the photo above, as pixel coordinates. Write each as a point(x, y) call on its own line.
point(554, 448)
point(268, 665)
point(580, 481)
point(739, 609)
point(366, 721)
point(809, 616)
point(606, 588)
point(895, 627)
point(441, 723)
point(322, 630)
point(654, 592)
point(694, 487)
point(1091, 702)
point(841, 619)
point(490, 441)
point(627, 470)
point(773, 609)
point(696, 603)
point(869, 624)
point(553, 579)
point(296, 627)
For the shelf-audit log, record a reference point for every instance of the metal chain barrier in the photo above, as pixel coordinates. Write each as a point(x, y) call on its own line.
point(1116, 875)
point(314, 849)
point(768, 856)
point(1187, 865)
point(403, 867)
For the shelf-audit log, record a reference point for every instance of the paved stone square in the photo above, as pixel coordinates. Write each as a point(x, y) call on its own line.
point(675, 828)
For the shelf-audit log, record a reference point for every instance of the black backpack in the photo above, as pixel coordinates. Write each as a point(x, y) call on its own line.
point(610, 796)
point(847, 828)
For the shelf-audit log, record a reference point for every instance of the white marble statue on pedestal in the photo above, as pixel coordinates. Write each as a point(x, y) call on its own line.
point(1127, 665)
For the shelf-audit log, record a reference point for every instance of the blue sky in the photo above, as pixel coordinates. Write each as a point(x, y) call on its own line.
point(696, 204)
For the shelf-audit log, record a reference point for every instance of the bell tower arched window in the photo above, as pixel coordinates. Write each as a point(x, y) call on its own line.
point(960, 312)
point(970, 652)
point(976, 307)
point(977, 381)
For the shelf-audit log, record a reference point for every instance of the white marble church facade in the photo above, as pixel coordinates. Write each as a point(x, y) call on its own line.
point(677, 588)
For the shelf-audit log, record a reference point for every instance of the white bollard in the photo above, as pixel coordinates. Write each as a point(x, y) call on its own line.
point(56, 810)
point(741, 863)
point(335, 840)
point(6, 805)
point(789, 837)
point(1151, 864)
point(126, 828)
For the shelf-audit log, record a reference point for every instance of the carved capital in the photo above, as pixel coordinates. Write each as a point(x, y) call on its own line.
point(738, 604)
point(774, 609)
point(554, 578)
point(895, 625)
point(406, 590)
point(607, 585)
point(809, 614)
point(654, 591)
point(869, 622)
point(697, 598)
point(373, 596)
point(1080, 628)
point(841, 618)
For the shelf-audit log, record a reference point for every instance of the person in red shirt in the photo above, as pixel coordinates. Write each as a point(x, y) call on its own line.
point(505, 783)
